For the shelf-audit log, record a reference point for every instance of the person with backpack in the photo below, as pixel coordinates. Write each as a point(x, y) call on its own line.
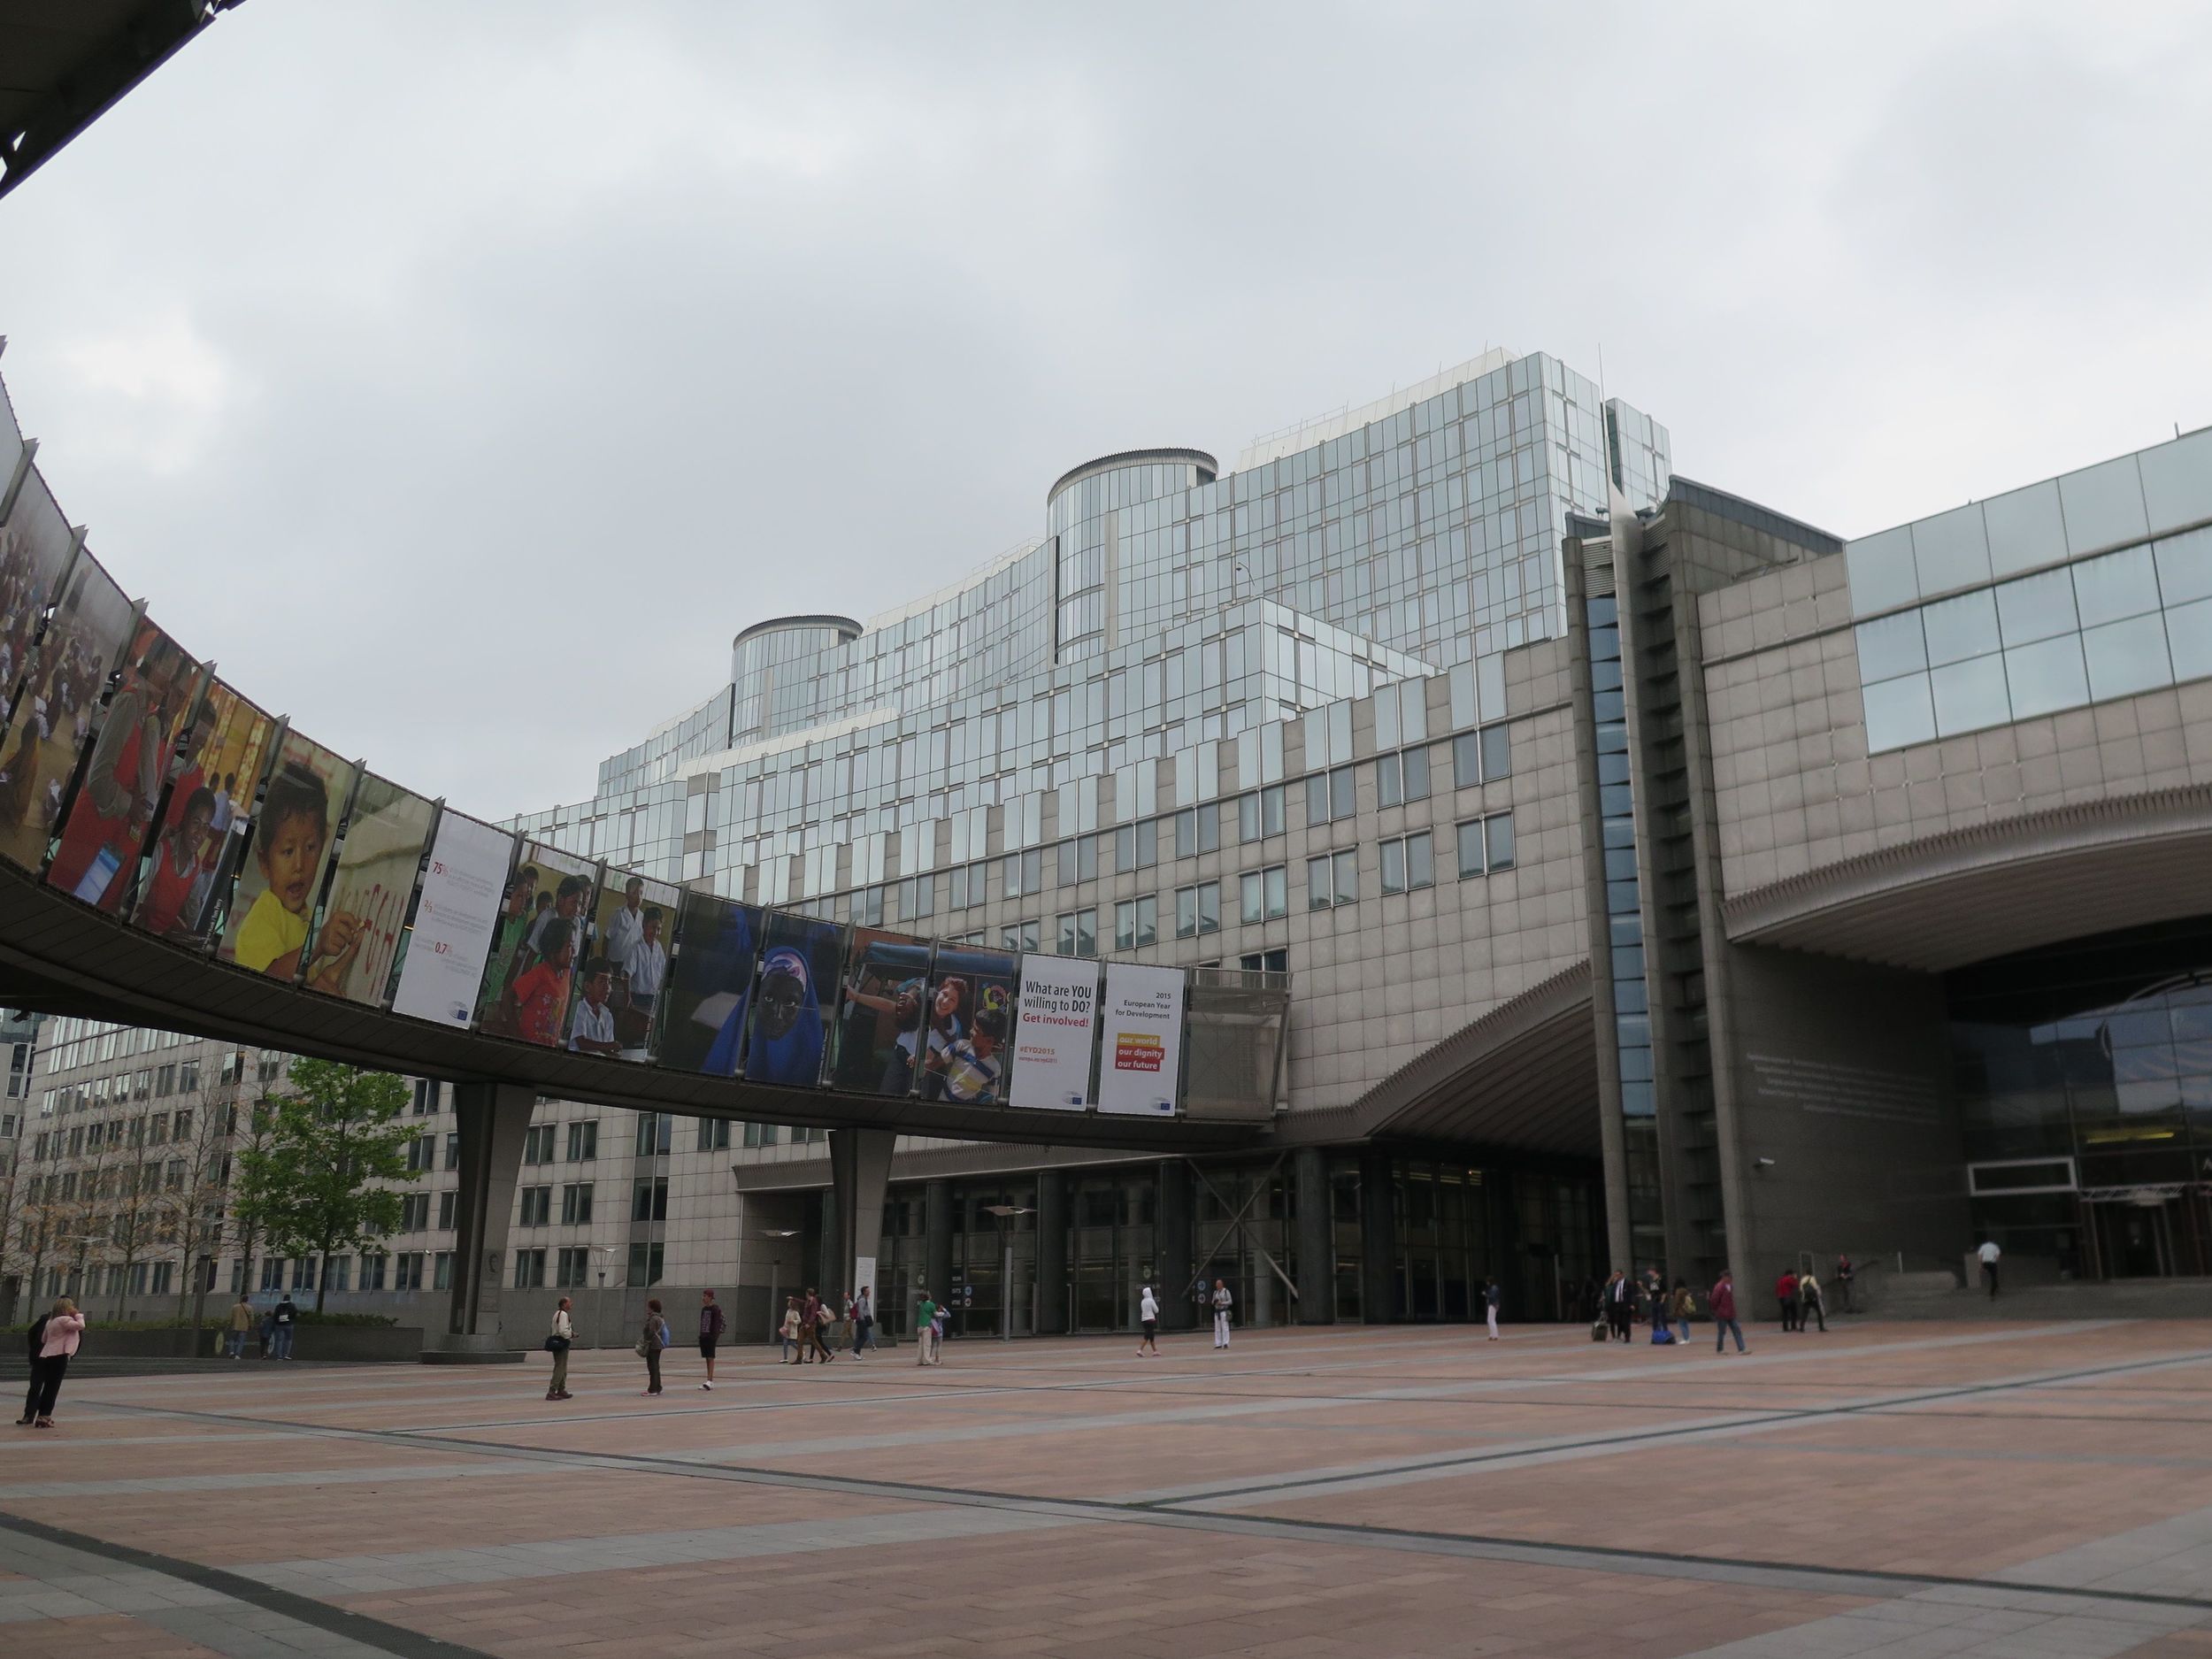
point(53, 1340)
point(650, 1343)
point(711, 1324)
point(280, 1324)
point(1722, 1303)
point(558, 1340)
point(862, 1315)
point(1808, 1303)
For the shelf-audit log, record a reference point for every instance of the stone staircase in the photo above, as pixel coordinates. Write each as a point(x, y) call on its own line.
point(1938, 1295)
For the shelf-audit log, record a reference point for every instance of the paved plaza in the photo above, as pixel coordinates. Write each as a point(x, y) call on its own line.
point(1986, 1489)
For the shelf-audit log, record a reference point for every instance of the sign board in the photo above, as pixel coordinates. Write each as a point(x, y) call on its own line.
point(1142, 1056)
point(454, 918)
point(1056, 1019)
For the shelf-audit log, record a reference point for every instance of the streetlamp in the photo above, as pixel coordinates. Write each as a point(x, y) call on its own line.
point(775, 1269)
point(1006, 1214)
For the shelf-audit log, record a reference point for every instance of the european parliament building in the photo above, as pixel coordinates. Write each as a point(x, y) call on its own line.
point(1658, 880)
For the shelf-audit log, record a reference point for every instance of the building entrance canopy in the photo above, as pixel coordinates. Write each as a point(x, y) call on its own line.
point(170, 855)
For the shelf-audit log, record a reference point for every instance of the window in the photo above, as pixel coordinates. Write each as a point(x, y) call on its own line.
point(447, 1202)
point(1025, 872)
point(188, 1076)
point(453, 1150)
point(655, 1131)
point(414, 1212)
point(426, 1098)
point(1198, 910)
point(303, 1272)
point(537, 1143)
point(649, 1198)
point(1136, 924)
point(1136, 847)
point(1260, 814)
point(273, 1273)
point(1401, 778)
point(1330, 795)
point(572, 1268)
point(714, 1136)
point(1264, 894)
point(407, 1270)
point(1084, 865)
point(1077, 933)
point(1020, 935)
point(583, 1141)
point(537, 1206)
point(442, 1270)
point(646, 1261)
point(1275, 961)
point(1481, 757)
point(164, 1082)
point(1486, 844)
point(1197, 830)
point(576, 1202)
point(372, 1270)
point(337, 1272)
point(1407, 862)
point(529, 1270)
point(1332, 878)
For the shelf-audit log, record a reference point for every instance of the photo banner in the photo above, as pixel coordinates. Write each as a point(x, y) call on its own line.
point(113, 811)
point(635, 923)
point(271, 909)
point(85, 640)
point(454, 917)
point(799, 958)
point(544, 935)
point(1141, 1057)
point(1056, 1028)
point(711, 985)
point(202, 828)
point(970, 1017)
point(35, 544)
point(878, 1039)
point(360, 932)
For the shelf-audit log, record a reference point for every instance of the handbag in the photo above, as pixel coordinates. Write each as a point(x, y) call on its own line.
point(556, 1345)
point(643, 1350)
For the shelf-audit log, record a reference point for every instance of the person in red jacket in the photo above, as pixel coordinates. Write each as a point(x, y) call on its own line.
point(1785, 1293)
point(1724, 1305)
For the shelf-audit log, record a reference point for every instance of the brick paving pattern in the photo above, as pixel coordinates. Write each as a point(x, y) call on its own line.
point(1993, 1490)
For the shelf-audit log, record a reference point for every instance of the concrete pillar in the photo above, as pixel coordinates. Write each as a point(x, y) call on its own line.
point(1173, 1229)
point(860, 1175)
point(937, 1238)
point(493, 1119)
point(1052, 1253)
point(1316, 1239)
point(1379, 1243)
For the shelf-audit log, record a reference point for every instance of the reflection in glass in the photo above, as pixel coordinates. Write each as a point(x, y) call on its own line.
point(1960, 628)
point(2127, 656)
point(1970, 696)
point(2047, 676)
point(2184, 567)
point(2189, 634)
point(1890, 645)
point(1899, 711)
point(2123, 583)
point(2037, 607)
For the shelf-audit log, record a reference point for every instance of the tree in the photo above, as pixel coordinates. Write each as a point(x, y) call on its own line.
point(255, 1132)
point(198, 1193)
point(321, 1183)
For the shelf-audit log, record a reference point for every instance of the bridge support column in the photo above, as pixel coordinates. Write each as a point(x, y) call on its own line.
point(493, 1119)
point(1173, 1229)
point(937, 1239)
point(1316, 1239)
point(860, 1173)
point(1052, 1253)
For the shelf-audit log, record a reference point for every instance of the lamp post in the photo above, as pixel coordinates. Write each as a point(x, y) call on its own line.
point(775, 1269)
point(1006, 1214)
point(599, 1317)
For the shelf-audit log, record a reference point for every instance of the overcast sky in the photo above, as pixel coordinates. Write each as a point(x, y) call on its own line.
point(462, 377)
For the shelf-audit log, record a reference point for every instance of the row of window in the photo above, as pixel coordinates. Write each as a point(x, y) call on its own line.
point(1484, 847)
point(145, 1131)
point(574, 1270)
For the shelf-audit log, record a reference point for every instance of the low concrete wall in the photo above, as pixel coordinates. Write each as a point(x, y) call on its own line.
point(357, 1343)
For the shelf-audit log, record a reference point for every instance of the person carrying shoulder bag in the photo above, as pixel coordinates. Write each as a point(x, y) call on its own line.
point(558, 1340)
point(650, 1343)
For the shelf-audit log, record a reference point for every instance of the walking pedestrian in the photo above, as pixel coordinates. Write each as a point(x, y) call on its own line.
point(1785, 1293)
point(937, 1326)
point(818, 1320)
point(1684, 1304)
point(1147, 1322)
point(281, 1322)
point(1846, 1275)
point(1989, 1253)
point(1722, 1303)
point(1490, 1299)
point(862, 1315)
point(925, 1330)
point(711, 1324)
point(56, 1336)
point(1222, 1302)
point(241, 1325)
point(794, 1350)
point(558, 1340)
point(651, 1340)
point(1808, 1304)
